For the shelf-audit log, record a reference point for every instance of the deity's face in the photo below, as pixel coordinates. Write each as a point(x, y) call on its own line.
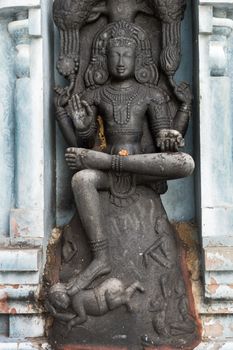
point(121, 62)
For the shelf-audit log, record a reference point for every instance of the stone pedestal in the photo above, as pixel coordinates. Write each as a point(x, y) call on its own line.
point(144, 248)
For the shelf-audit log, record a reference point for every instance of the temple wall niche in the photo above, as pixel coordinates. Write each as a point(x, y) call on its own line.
point(180, 199)
point(27, 168)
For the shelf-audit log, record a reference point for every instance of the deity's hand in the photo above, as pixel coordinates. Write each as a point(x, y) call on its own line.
point(61, 97)
point(50, 308)
point(169, 140)
point(81, 113)
point(75, 158)
point(183, 93)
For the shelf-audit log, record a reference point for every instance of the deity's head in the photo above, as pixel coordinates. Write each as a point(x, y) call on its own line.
point(121, 51)
point(58, 297)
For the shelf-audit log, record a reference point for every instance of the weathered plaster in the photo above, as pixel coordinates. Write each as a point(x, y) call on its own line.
point(26, 175)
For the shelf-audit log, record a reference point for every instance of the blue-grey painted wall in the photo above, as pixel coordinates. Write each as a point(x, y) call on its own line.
point(180, 198)
point(6, 126)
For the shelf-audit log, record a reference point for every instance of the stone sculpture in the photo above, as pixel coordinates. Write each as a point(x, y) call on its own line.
point(120, 218)
point(109, 295)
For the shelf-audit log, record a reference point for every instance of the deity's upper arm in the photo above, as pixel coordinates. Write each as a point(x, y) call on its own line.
point(158, 110)
point(157, 97)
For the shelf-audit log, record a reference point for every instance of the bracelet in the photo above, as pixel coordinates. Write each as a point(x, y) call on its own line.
point(185, 108)
point(61, 114)
point(87, 133)
point(117, 164)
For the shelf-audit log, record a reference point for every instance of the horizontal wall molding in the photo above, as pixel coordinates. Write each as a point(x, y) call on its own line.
point(6, 4)
point(19, 260)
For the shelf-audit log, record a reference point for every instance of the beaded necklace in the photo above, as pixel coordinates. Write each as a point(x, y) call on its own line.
point(121, 102)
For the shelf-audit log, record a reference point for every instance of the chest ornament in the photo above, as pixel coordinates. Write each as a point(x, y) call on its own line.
point(121, 101)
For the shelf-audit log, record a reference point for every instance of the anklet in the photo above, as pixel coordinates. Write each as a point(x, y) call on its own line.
point(98, 245)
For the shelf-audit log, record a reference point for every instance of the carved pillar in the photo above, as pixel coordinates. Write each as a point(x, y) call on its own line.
point(215, 204)
point(27, 74)
point(6, 126)
point(27, 217)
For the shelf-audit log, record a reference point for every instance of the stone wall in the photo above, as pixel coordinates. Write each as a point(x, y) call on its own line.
point(214, 126)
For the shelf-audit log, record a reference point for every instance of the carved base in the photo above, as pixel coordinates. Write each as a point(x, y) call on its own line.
point(144, 249)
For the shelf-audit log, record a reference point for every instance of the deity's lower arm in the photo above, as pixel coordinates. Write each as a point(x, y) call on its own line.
point(86, 137)
point(181, 120)
point(66, 126)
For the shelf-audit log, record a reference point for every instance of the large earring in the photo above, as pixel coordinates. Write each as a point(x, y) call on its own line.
point(97, 73)
point(142, 75)
point(100, 76)
point(147, 74)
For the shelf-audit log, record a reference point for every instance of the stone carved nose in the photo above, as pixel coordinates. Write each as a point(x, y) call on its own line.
point(120, 62)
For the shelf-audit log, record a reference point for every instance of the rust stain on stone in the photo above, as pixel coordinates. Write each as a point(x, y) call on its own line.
point(4, 307)
point(13, 311)
point(15, 228)
point(51, 274)
point(213, 286)
point(51, 271)
point(190, 266)
point(213, 262)
point(213, 329)
point(188, 234)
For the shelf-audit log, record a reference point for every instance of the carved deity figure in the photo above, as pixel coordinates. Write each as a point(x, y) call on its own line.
point(122, 88)
point(71, 16)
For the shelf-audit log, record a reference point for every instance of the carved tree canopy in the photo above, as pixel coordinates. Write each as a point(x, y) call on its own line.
point(72, 14)
point(168, 10)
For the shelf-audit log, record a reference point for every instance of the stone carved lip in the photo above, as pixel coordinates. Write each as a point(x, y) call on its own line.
point(121, 70)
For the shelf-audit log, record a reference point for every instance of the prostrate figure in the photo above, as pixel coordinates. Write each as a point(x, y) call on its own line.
point(108, 296)
point(122, 79)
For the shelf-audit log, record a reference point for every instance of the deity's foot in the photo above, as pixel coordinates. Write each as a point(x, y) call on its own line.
point(82, 158)
point(99, 266)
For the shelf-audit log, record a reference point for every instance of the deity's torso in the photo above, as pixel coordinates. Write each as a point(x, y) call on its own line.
point(124, 111)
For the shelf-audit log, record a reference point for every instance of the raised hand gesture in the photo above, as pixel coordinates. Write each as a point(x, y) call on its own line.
point(183, 93)
point(81, 113)
point(50, 308)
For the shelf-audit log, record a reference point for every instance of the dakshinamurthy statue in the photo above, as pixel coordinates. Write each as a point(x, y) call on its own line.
point(121, 82)
point(121, 57)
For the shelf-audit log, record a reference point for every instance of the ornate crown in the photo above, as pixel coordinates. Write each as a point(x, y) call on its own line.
point(122, 35)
